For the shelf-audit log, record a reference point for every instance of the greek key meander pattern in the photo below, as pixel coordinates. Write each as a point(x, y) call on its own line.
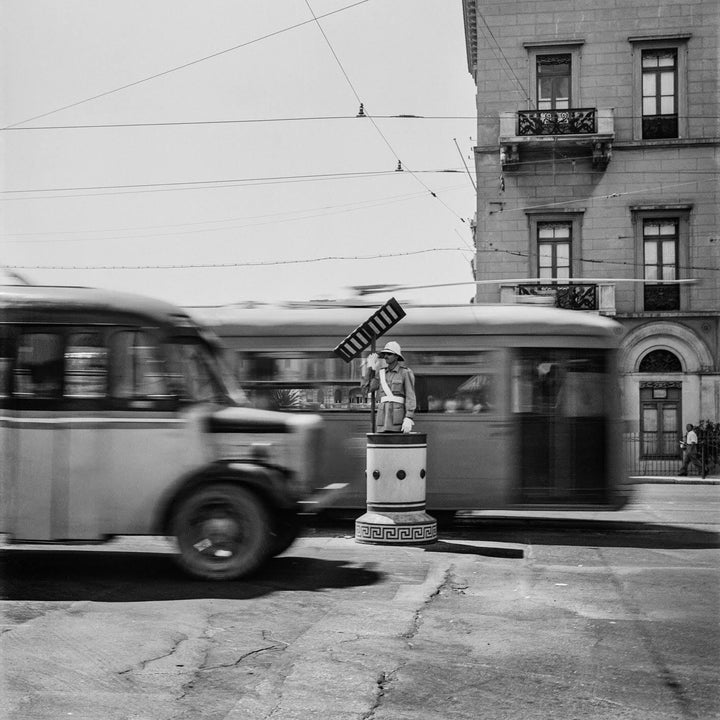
point(396, 533)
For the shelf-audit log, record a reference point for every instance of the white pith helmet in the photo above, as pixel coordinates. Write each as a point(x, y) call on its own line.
point(392, 347)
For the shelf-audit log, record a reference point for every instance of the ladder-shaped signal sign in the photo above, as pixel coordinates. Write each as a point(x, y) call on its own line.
point(379, 323)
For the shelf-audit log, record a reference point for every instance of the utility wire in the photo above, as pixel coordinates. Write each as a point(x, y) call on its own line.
point(359, 204)
point(332, 210)
point(212, 184)
point(183, 66)
point(178, 183)
point(462, 157)
point(507, 62)
point(402, 116)
point(626, 263)
point(260, 263)
point(591, 199)
point(305, 118)
point(400, 166)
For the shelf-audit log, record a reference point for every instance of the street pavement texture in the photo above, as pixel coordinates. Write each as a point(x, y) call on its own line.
point(597, 616)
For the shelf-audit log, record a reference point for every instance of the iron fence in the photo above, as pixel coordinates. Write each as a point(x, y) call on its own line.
point(641, 460)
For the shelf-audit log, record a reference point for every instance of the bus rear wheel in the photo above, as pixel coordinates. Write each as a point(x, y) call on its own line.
point(223, 532)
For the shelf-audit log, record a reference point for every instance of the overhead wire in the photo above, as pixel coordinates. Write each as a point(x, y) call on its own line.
point(183, 66)
point(301, 215)
point(212, 184)
point(300, 118)
point(518, 253)
point(259, 263)
point(400, 166)
point(513, 75)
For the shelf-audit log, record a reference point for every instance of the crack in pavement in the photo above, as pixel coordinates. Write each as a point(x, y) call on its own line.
point(382, 683)
point(664, 673)
point(447, 582)
point(177, 640)
point(385, 679)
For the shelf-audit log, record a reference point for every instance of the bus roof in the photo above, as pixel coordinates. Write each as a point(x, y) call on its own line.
point(42, 301)
point(512, 319)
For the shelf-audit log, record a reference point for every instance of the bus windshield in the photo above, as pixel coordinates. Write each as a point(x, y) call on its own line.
point(197, 373)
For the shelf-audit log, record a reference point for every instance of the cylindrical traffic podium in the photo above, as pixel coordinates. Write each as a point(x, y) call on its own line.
point(395, 476)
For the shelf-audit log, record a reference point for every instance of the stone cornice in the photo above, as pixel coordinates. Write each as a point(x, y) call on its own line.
point(470, 23)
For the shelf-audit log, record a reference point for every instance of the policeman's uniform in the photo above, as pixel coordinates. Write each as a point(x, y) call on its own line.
point(396, 394)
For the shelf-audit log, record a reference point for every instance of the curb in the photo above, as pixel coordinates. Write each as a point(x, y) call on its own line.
point(671, 480)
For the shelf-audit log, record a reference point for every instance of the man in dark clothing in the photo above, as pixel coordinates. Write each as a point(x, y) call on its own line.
point(690, 444)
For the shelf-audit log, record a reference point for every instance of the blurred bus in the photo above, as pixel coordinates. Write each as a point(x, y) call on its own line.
point(117, 417)
point(520, 403)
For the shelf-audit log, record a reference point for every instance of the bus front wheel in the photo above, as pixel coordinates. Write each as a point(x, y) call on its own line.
point(223, 532)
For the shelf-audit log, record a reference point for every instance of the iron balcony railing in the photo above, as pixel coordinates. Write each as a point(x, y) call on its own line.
point(573, 121)
point(661, 297)
point(568, 297)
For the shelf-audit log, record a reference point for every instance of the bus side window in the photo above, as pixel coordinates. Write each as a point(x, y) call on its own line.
point(6, 360)
point(137, 370)
point(39, 367)
point(85, 365)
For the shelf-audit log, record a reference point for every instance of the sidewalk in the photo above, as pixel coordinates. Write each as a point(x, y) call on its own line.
point(675, 480)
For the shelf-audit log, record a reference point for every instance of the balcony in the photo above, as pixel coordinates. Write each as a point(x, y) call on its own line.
point(577, 296)
point(661, 297)
point(591, 129)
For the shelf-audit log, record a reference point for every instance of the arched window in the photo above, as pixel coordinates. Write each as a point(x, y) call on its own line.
point(660, 361)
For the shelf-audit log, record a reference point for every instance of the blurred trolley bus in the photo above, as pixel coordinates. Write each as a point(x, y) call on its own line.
point(117, 417)
point(520, 403)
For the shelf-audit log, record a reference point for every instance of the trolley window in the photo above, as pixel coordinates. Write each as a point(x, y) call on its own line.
point(86, 360)
point(39, 367)
point(7, 353)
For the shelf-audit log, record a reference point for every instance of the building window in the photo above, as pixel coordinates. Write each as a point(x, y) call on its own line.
point(553, 73)
point(660, 252)
point(660, 86)
point(662, 239)
point(554, 242)
point(660, 361)
point(659, 94)
point(659, 420)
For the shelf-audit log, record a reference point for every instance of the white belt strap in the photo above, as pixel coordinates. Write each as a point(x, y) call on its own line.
point(388, 397)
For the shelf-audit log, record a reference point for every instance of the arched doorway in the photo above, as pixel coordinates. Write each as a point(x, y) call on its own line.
point(660, 407)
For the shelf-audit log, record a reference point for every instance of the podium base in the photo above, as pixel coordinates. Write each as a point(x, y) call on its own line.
point(391, 528)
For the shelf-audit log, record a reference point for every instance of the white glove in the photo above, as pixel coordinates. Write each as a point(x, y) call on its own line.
point(372, 361)
point(407, 425)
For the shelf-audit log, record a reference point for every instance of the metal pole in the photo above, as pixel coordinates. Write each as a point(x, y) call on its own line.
point(371, 375)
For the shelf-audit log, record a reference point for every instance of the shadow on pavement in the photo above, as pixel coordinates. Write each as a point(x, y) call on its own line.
point(554, 531)
point(67, 575)
point(589, 533)
point(459, 548)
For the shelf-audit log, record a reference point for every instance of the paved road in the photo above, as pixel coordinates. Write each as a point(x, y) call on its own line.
point(594, 615)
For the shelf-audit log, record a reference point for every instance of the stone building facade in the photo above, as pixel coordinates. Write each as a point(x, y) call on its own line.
point(597, 177)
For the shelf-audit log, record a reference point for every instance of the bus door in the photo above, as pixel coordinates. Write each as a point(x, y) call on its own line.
point(35, 438)
point(147, 434)
point(559, 400)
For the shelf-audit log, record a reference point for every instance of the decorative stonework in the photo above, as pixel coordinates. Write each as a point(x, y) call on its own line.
point(391, 534)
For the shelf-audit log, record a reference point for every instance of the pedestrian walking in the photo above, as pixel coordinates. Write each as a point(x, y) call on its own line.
point(690, 446)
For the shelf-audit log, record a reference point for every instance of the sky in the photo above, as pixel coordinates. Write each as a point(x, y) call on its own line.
point(236, 168)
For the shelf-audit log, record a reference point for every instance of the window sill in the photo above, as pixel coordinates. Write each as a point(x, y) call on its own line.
point(664, 143)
